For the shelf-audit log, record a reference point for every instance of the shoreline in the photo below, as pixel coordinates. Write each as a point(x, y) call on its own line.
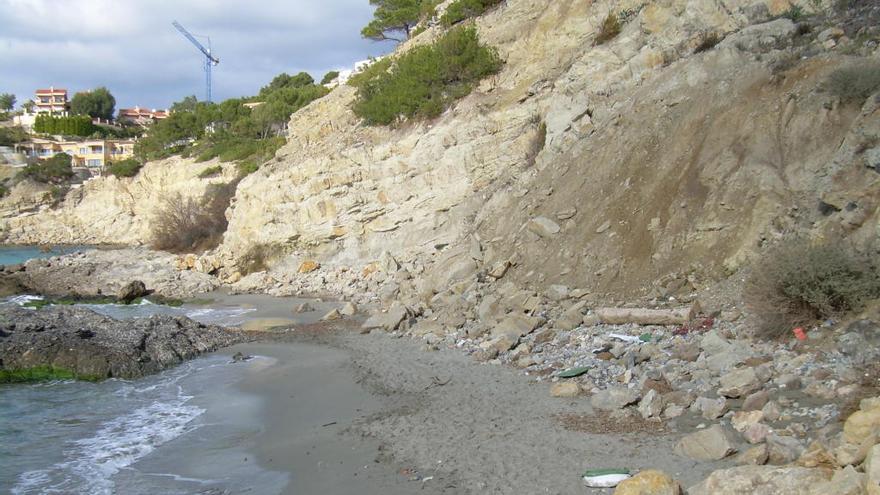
point(462, 426)
point(311, 404)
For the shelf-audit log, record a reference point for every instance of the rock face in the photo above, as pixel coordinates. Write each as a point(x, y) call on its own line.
point(564, 123)
point(95, 346)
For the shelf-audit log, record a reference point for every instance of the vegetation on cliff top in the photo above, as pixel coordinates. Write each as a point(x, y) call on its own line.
point(424, 81)
point(460, 10)
point(394, 19)
point(247, 130)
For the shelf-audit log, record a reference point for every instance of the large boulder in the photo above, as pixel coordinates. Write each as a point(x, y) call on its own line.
point(649, 482)
point(131, 291)
point(710, 444)
point(387, 320)
point(760, 480)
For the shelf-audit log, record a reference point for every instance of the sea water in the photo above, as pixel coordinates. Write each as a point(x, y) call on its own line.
point(13, 255)
point(183, 431)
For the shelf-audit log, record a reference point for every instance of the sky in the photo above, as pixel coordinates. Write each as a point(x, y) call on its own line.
point(130, 46)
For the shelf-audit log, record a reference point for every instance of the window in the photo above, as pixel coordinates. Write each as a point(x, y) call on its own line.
point(93, 163)
point(83, 151)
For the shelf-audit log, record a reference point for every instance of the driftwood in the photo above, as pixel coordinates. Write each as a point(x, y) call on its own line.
point(644, 316)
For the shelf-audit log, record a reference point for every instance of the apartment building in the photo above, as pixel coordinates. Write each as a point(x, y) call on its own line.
point(52, 101)
point(141, 116)
point(92, 154)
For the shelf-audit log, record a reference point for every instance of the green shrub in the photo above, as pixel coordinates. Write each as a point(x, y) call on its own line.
point(610, 29)
point(210, 172)
point(124, 168)
point(4, 190)
point(12, 135)
point(425, 80)
point(854, 84)
point(193, 225)
point(330, 77)
point(74, 125)
point(460, 10)
point(794, 12)
point(55, 170)
point(798, 283)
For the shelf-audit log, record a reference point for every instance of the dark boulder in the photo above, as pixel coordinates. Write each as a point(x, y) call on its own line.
point(131, 291)
point(94, 346)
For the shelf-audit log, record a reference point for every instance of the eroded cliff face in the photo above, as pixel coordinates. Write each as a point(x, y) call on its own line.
point(104, 210)
point(637, 166)
point(659, 164)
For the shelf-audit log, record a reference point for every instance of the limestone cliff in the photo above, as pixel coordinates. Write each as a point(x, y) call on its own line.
point(641, 163)
point(659, 161)
point(103, 210)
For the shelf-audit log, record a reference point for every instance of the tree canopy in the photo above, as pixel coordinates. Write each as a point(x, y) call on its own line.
point(7, 102)
point(97, 103)
point(55, 170)
point(395, 17)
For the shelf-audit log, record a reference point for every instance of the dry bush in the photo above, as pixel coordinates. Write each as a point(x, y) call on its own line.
point(183, 225)
point(798, 283)
point(854, 84)
point(609, 30)
point(708, 42)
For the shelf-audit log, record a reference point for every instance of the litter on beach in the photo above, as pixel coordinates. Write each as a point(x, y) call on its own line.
point(573, 372)
point(625, 338)
point(605, 478)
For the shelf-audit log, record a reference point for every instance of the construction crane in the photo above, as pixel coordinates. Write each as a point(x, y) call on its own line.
point(210, 60)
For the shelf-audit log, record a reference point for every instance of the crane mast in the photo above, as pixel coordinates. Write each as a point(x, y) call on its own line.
point(210, 60)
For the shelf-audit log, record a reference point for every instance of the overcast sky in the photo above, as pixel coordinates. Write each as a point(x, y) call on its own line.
point(130, 46)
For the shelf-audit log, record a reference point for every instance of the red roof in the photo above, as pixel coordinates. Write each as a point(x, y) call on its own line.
point(54, 91)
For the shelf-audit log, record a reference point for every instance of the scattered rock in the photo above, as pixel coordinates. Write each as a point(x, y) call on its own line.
point(332, 315)
point(565, 389)
point(308, 266)
point(304, 308)
point(349, 309)
point(712, 408)
point(543, 226)
point(710, 444)
point(756, 456)
point(760, 480)
point(738, 383)
point(131, 291)
point(612, 399)
point(649, 482)
point(783, 450)
point(651, 404)
point(845, 481)
point(863, 423)
point(756, 401)
point(388, 320)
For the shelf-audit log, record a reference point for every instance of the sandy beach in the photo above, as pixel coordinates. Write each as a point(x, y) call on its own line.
point(351, 413)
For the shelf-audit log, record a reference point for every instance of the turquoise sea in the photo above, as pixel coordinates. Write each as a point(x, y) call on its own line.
point(13, 255)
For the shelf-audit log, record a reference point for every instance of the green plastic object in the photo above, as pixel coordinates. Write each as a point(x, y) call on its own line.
point(573, 372)
point(604, 472)
point(646, 337)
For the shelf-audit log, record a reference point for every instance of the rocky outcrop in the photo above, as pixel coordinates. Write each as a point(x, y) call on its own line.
point(107, 272)
point(92, 346)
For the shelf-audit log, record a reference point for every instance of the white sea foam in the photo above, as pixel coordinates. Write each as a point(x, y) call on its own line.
point(90, 463)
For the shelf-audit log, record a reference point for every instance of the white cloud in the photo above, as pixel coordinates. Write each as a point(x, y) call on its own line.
point(130, 46)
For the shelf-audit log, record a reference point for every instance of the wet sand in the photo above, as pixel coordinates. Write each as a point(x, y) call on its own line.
point(311, 404)
point(349, 413)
